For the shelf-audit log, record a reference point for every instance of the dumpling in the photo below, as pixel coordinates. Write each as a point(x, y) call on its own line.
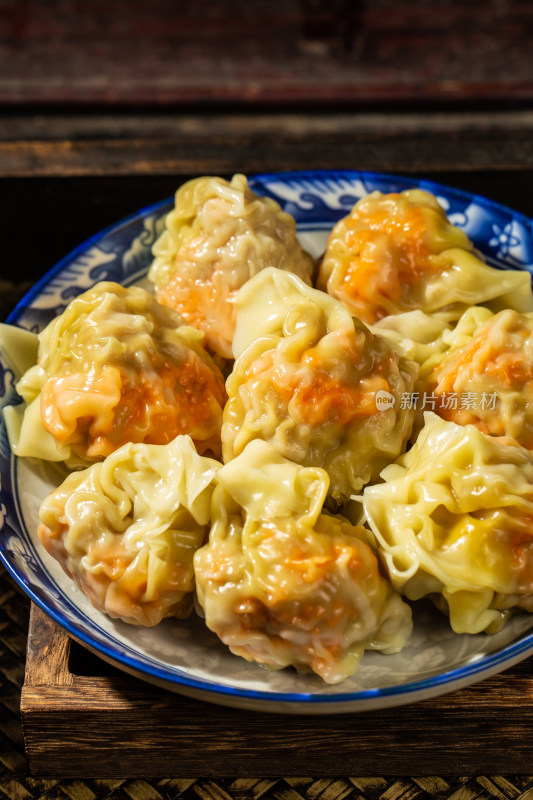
point(116, 366)
point(282, 583)
point(486, 377)
point(415, 335)
point(398, 252)
point(217, 236)
point(452, 518)
point(315, 383)
point(126, 529)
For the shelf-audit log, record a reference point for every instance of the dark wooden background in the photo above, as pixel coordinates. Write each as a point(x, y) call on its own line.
point(108, 106)
point(264, 51)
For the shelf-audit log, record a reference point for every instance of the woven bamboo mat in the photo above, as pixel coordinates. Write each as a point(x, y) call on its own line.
point(17, 784)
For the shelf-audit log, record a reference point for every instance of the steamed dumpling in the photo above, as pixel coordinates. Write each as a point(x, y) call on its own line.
point(126, 529)
point(486, 377)
point(217, 236)
point(415, 335)
point(117, 366)
point(453, 522)
point(315, 383)
point(282, 583)
point(398, 252)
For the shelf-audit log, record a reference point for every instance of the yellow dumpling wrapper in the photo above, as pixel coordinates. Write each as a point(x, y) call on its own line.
point(116, 366)
point(415, 335)
point(315, 383)
point(398, 252)
point(218, 235)
point(486, 376)
point(453, 519)
point(282, 583)
point(126, 529)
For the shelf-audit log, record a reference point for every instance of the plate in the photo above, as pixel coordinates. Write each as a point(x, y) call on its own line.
point(184, 656)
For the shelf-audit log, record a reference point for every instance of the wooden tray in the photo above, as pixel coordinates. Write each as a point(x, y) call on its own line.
point(83, 717)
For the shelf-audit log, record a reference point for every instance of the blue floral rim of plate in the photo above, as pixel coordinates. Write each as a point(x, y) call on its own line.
point(122, 253)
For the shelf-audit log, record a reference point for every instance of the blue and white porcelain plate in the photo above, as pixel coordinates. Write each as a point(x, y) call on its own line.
point(184, 656)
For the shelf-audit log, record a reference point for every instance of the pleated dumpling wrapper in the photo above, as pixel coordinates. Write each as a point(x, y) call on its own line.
point(116, 366)
point(415, 335)
point(218, 235)
point(398, 252)
point(315, 383)
point(486, 376)
point(453, 521)
point(282, 583)
point(126, 529)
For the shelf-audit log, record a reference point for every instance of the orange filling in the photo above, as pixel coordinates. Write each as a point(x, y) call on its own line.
point(204, 304)
point(315, 393)
point(98, 414)
point(480, 361)
point(387, 255)
point(508, 367)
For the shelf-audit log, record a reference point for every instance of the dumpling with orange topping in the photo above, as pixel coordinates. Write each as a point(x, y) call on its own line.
point(453, 521)
point(398, 252)
point(282, 583)
point(486, 376)
point(116, 366)
point(218, 235)
point(126, 529)
point(314, 382)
